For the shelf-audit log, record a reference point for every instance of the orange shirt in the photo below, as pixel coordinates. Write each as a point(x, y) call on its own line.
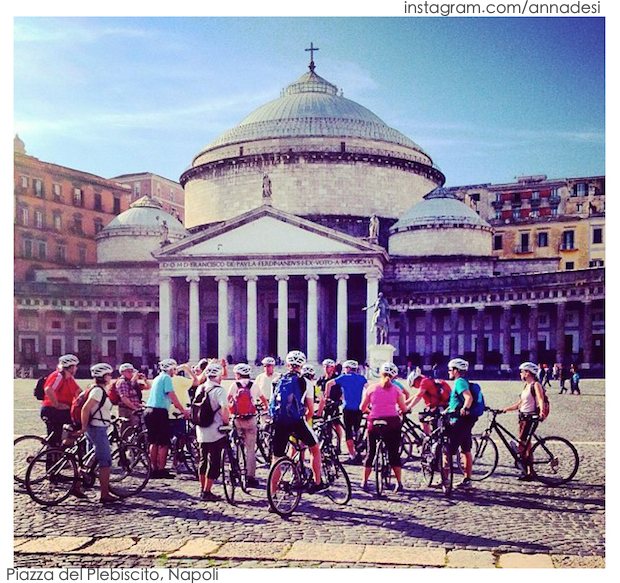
point(65, 388)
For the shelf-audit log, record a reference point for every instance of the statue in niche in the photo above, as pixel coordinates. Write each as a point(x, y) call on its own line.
point(373, 227)
point(164, 233)
point(266, 188)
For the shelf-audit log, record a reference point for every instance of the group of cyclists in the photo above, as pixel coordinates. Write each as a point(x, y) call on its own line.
point(291, 400)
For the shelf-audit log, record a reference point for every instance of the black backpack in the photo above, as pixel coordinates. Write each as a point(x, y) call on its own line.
point(39, 391)
point(202, 413)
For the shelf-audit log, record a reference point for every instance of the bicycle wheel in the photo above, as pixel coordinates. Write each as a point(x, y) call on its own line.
point(130, 471)
point(242, 478)
point(191, 455)
point(51, 476)
point(427, 462)
point(445, 469)
point(334, 474)
point(263, 444)
point(137, 437)
point(229, 478)
point(284, 486)
point(417, 438)
point(25, 448)
point(406, 447)
point(484, 458)
point(379, 469)
point(554, 461)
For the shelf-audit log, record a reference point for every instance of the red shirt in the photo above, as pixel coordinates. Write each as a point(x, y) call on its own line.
point(65, 388)
point(431, 395)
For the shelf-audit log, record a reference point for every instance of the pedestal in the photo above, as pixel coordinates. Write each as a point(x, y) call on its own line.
point(377, 355)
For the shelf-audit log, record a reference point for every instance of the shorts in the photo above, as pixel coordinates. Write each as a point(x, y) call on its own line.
point(460, 434)
point(98, 436)
point(282, 432)
point(157, 426)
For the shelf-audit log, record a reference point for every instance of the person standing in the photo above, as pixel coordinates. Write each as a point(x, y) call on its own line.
point(129, 386)
point(266, 379)
point(575, 377)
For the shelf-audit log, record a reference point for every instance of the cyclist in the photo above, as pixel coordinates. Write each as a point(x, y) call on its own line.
point(435, 398)
point(60, 390)
point(465, 405)
point(211, 440)
point(242, 398)
point(353, 386)
point(384, 401)
point(531, 409)
point(290, 394)
point(308, 373)
point(266, 379)
point(96, 418)
point(161, 396)
point(130, 385)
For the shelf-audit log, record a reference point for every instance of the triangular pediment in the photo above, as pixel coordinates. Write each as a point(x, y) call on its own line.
point(267, 231)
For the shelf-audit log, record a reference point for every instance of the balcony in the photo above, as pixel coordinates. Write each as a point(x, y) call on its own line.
point(554, 199)
point(523, 249)
point(535, 202)
point(497, 204)
point(568, 247)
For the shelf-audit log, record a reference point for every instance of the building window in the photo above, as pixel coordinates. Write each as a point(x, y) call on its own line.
point(570, 265)
point(534, 214)
point(42, 249)
point(580, 189)
point(172, 195)
point(98, 225)
point(554, 211)
point(57, 221)
point(535, 195)
point(57, 192)
point(554, 191)
point(498, 197)
point(78, 197)
point(524, 245)
point(77, 224)
point(38, 188)
point(597, 235)
point(136, 190)
point(23, 216)
point(516, 214)
point(568, 240)
point(39, 221)
point(56, 346)
point(111, 348)
point(497, 243)
point(117, 205)
point(596, 263)
point(56, 325)
point(98, 201)
point(110, 325)
point(82, 254)
point(24, 181)
point(28, 248)
point(498, 215)
point(543, 239)
point(61, 253)
point(83, 324)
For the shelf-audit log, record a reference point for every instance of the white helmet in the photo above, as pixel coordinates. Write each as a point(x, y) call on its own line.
point(125, 366)
point(530, 366)
point(329, 362)
point(97, 371)
point(67, 360)
point(413, 375)
point(353, 364)
point(166, 364)
point(308, 369)
point(296, 358)
point(214, 369)
point(243, 369)
point(389, 368)
point(458, 364)
point(268, 360)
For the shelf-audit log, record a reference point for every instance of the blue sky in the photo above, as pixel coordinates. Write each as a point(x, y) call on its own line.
point(488, 99)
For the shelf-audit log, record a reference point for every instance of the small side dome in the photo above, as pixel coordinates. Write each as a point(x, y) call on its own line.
point(440, 225)
point(138, 232)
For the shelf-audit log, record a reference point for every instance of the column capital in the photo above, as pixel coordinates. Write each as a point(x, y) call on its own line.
point(373, 275)
point(250, 278)
point(165, 279)
point(219, 278)
point(191, 278)
point(311, 276)
point(282, 277)
point(341, 276)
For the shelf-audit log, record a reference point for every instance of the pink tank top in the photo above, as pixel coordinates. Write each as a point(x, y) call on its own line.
point(383, 402)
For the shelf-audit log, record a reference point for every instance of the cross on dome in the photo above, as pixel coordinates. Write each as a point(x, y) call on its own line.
point(312, 49)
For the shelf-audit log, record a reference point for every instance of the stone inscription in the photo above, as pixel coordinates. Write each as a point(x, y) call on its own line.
point(265, 263)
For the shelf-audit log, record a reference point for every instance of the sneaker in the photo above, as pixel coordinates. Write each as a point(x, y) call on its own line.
point(314, 488)
point(399, 488)
point(78, 493)
point(252, 482)
point(351, 460)
point(358, 459)
point(365, 486)
point(465, 484)
point(210, 497)
point(164, 475)
point(526, 478)
point(109, 500)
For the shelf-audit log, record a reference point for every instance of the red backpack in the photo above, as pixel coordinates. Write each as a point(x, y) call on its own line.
point(113, 394)
point(78, 404)
point(243, 405)
point(441, 394)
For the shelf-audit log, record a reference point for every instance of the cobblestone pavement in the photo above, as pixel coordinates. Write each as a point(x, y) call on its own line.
point(499, 517)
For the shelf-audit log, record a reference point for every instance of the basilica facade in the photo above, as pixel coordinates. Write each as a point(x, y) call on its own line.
point(295, 220)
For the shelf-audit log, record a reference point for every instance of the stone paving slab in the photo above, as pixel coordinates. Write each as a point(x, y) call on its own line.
point(317, 552)
point(154, 547)
point(388, 555)
point(462, 559)
point(251, 550)
point(54, 544)
point(197, 547)
point(577, 562)
point(108, 546)
point(19, 541)
point(523, 561)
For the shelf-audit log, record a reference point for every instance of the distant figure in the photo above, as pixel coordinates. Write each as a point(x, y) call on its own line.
point(164, 233)
point(266, 187)
point(574, 380)
point(563, 378)
point(373, 229)
point(380, 319)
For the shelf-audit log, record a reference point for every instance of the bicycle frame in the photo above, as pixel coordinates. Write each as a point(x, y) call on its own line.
point(504, 434)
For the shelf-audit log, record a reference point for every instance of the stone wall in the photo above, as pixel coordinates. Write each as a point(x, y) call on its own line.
point(518, 266)
point(445, 241)
point(125, 274)
point(428, 269)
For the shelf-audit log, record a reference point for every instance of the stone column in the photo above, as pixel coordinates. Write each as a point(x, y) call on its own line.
point(342, 316)
point(428, 337)
point(533, 333)
point(454, 332)
point(506, 327)
point(559, 326)
point(194, 318)
point(479, 338)
point(586, 326)
point(372, 293)
point(282, 315)
point(165, 318)
point(252, 319)
point(312, 326)
point(223, 341)
point(403, 336)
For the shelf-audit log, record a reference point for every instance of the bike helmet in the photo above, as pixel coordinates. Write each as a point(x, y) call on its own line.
point(352, 364)
point(268, 360)
point(389, 368)
point(125, 366)
point(296, 358)
point(98, 371)
point(214, 369)
point(413, 375)
point(458, 364)
point(329, 362)
point(308, 369)
point(530, 366)
point(166, 364)
point(243, 369)
point(68, 360)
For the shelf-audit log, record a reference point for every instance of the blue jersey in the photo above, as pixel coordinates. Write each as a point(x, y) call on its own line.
point(352, 388)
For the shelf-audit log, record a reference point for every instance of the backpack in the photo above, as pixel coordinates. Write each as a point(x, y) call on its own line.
point(546, 406)
point(202, 412)
point(39, 389)
point(285, 405)
point(113, 394)
point(441, 396)
point(243, 405)
point(78, 404)
point(477, 407)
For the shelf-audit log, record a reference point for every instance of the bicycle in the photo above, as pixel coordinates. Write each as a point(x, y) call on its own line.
point(263, 436)
point(137, 434)
point(436, 455)
point(184, 449)
point(412, 437)
point(289, 477)
point(555, 460)
point(234, 469)
point(382, 468)
point(55, 473)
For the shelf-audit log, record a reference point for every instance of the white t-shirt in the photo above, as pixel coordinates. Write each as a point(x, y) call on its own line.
point(102, 417)
point(218, 399)
point(528, 401)
point(255, 390)
point(265, 383)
